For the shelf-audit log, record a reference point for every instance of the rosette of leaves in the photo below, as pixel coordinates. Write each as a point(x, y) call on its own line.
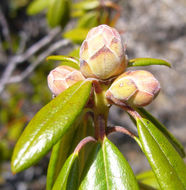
point(77, 116)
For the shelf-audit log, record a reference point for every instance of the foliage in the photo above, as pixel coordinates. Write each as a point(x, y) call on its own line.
point(79, 116)
point(67, 118)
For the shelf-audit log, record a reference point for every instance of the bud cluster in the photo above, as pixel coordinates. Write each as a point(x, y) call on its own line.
point(102, 56)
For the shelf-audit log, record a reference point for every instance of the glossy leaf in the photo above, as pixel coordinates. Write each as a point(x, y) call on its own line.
point(85, 129)
point(66, 60)
point(106, 168)
point(65, 147)
point(77, 35)
point(37, 6)
point(59, 12)
point(49, 125)
point(177, 145)
point(166, 163)
point(147, 180)
point(60, 153)
point(69, 175)
point(146, 62)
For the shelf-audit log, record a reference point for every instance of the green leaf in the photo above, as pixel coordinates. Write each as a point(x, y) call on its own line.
point(65, 147)
point(69, 175)
point(147, 179)
point(66, 60)
point(166, 163)
point(146, 62)
point(60, 153)
point(77, 35)
point(49, 125)
point(86, 5)
point(88, 20)
point(37, 6)
point(59, 12)
point(106, 168)
point(177, 145)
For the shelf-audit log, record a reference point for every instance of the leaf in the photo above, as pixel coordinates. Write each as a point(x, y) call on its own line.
point(59, 12)
point(60, 153)
point(106, 168)
point(77, 35)
point(86, 5)
point(49, 125)
point(147, 179)
point(147, 61)
point(88, 20)
point(69, 174)
point(177, 145)
point(37, 6)
point(65, 147)
point(66, 60)
point(166, 163)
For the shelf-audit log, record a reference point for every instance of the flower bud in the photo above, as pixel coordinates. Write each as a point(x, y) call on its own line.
point(102, 54)
point(135, 88)
point(63, 77)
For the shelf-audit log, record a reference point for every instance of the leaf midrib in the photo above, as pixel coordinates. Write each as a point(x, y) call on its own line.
point(163, 153)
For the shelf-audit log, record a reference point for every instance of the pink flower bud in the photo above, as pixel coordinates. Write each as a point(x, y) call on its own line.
point(137, 88)
point(102, 54)
point(63, 77)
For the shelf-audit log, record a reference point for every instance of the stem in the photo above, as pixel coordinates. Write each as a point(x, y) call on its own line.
point(100, 123)
point(101, 109)
point(124, 131)
point(121, 130)
point(83, 142)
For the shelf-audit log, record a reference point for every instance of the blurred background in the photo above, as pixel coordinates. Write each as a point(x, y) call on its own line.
point(32, 30)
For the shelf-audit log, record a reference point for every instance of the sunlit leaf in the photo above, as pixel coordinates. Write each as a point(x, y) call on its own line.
point(166, 163)
point(60, 153)
point(77, 35)
point(66, 60)
point(65, 147)
point(106, 168)
point(146, 62)
point(69, 175)
point(49, 125)
point(177, 145)
point(147, 179)
point(88, 20)
point(37, 6)
point(87, 5)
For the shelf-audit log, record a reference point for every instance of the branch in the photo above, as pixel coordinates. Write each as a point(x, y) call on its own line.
point(15, 60)
point(5, 29)
point(40, 58)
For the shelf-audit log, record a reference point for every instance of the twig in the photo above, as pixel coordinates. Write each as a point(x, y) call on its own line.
point(40, 58)
point(15, 60)
point(5, 29)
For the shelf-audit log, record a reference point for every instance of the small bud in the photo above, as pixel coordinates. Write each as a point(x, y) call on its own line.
point(102, 54)
point(136, 88)
point(63, 77)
